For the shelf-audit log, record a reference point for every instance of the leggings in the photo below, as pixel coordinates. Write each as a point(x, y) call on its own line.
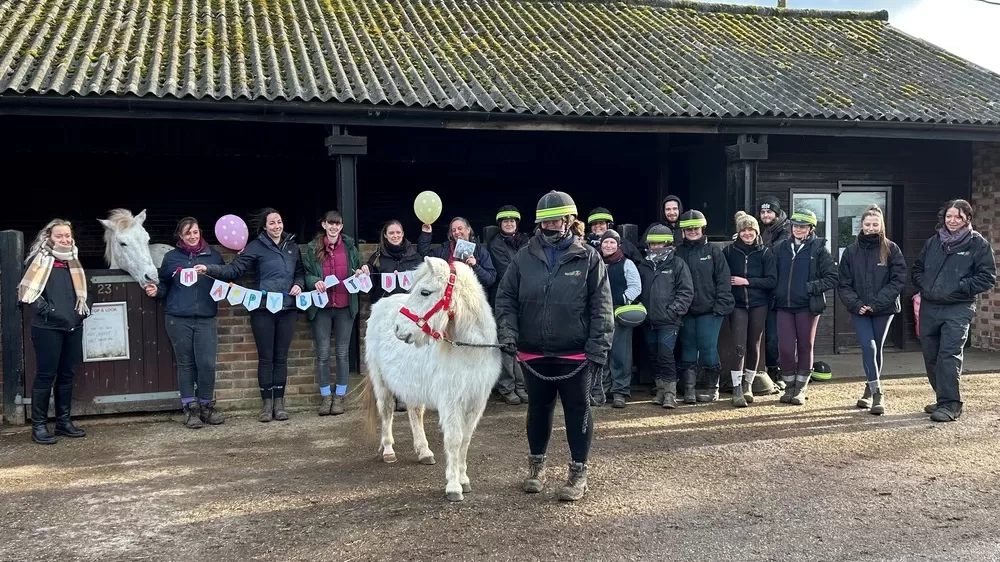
point(796, 333)
point(872, 331)
point(700, 341)
point(574, 393)
point(747, 326)
point(273, 335)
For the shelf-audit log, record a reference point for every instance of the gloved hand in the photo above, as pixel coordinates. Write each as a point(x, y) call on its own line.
point(509, 347)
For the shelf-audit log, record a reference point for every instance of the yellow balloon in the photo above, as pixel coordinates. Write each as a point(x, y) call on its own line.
point(427, 206)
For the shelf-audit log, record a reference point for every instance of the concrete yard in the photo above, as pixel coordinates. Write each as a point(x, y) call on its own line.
point(824, 481)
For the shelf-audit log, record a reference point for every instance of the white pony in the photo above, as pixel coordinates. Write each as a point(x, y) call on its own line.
point(127, 247)
point(408, 357)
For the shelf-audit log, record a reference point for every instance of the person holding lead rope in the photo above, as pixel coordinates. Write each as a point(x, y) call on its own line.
point(554, 309)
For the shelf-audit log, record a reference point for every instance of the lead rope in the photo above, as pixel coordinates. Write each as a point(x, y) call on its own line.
point(523, 363)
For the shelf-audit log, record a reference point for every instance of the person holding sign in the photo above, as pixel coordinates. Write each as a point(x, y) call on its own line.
point(463, 247)
point(273, 257)
point(190, 321)
point(331, 259)
point(54, 283)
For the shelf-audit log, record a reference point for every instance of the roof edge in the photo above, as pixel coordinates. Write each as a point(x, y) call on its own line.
point(763, 11)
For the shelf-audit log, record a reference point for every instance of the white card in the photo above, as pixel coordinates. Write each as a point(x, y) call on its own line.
point(320, 299)
point(252, 300)
point(365, 282)
point(274, 302)
point(388, 282)
point(188, 276)
point(236, 295)
point(219, 290)
point(330, 281)
point(405, 280)
point(352, 284)
point(303, 301)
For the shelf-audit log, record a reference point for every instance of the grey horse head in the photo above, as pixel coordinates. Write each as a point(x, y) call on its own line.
point(126, 245)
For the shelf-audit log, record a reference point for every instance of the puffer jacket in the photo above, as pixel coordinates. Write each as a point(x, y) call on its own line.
point(276, 267)
point(189, 302)
point(955, 275)
point(863, 281)
point(55, 308)
point(755, 264)
point(380, 262)
point(667, 290)
point(564, 311)
point(808, 290)
point(710, 273)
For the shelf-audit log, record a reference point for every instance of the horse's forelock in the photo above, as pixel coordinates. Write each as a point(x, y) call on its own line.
point(121, 218)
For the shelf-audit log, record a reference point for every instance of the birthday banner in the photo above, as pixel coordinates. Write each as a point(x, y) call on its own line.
point(251, 299)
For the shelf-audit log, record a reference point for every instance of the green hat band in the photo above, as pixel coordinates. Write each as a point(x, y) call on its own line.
point(508, 215)
point(802, 217)
point(693, 223)
point(659, 238)
point(554, 213)
point(600, 217)
point(629, 308)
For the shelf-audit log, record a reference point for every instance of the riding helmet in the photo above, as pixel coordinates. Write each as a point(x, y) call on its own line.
point(554, 205)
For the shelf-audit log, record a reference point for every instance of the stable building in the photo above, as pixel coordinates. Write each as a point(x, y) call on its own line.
point(207, 109)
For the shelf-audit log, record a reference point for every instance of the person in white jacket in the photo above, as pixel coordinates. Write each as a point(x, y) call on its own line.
point(626, 286)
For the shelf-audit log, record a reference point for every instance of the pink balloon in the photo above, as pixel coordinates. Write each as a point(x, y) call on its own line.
point(231, 232)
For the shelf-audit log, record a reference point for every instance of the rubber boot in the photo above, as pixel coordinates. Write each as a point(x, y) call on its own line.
point(711, 392)
point(878, 406)
point(210, 415)
point(689, 377)
point(279, 409)
point(739, 401)
point(670, 395)
point(40, 417)
point(788, 379)
point(866, 399)
point(535, 480)
point(576, 483)
point(748, 378)
point(193, 412)
point(660, 392)
point(64, 403)
point(266, 411)
point(801, 383)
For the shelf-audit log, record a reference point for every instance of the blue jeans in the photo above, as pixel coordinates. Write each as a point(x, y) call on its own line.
point(872, 331)
point(340, 323)
point(700, 341)
point(616, 377)
point(770, 341)
point(195, 342)
point(661, 343)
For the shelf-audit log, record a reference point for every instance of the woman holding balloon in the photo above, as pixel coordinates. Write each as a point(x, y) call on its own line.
point(273, 257)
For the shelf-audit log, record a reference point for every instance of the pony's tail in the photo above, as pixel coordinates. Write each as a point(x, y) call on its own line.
point(369, 409)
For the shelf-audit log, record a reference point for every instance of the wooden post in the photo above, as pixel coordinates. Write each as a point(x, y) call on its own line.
point(11, 324)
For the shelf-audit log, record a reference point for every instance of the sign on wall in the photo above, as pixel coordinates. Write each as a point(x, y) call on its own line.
point(105, 332)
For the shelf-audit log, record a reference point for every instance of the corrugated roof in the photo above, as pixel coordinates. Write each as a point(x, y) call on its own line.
point(552, 58)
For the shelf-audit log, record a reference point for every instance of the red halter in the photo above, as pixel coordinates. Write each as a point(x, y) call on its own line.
point(443, 304)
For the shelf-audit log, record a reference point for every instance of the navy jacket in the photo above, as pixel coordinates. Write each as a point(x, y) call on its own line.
point(196, 300)
point(757, 265)
point(485, 272)
point(275, 268)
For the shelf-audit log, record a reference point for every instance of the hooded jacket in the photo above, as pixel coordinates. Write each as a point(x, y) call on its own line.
point(777, 232)
point(667, 290)
point(954, 275)
point(671, 225)
point(710, 273)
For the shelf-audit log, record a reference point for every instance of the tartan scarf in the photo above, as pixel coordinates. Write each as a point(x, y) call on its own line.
point(37, 275)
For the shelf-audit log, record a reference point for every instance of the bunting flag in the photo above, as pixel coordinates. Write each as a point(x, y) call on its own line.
point(252, 299)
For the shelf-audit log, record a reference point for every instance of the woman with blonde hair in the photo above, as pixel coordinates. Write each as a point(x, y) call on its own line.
point(872, 276)
point(56, 285)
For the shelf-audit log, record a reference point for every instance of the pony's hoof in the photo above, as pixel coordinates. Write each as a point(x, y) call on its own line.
point(389, 457)
point(427, 460)
point(466, 488)
point(454, 496)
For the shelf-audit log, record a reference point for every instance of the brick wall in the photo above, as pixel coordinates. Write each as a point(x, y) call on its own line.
point(236, 378)
point(985, 331)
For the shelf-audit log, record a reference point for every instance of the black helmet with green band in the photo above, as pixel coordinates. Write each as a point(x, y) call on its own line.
point(600, 214)
point(508, 212)
point(659, 234)
point(803, 217)
point(630, 315)
point(554, 205)
point(692, 219)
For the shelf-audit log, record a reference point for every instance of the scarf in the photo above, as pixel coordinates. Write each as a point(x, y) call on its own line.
point(394, 251)
point(37, 275)
point(613, 258)
point(192, 250)
point(949, 240)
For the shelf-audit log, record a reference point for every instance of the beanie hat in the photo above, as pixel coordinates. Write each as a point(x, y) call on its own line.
point(599, 214)
point(659, 234)
point(770, 203)
point(744, 221)
point(692, 219)
point(609, 233)
point(508, 212)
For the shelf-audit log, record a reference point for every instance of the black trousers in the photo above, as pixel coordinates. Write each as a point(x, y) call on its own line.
point(273, 335)
point(943, 331)
point(57, 353)
point(574, 393)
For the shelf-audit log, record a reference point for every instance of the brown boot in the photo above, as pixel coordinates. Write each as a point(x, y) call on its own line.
point(210, 415)
point(576, 483)
point(193, 412)
point(338, 406)
point(536, 474)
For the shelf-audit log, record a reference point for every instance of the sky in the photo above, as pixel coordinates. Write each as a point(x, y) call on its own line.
point(962, 27)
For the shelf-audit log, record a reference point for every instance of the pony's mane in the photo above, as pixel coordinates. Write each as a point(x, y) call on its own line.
point(122, 219)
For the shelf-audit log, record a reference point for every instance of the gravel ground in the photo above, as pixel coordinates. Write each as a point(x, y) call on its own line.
point(824, 481)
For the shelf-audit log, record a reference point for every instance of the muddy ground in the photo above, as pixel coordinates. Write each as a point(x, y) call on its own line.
point(772, 482)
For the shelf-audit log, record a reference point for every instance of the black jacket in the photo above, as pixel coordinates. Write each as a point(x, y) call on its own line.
point(565, 311)
point(484, 270)
point(276, 268)
point(55, 308)
point(809, 292)
point(777, 232)
point(629, 250)
point(667, 290)
point(711, 277)
point(502, 249)
point(196, 300)
point(380, 262)
point(757, 265)
point(957, 275)
point(866, 282)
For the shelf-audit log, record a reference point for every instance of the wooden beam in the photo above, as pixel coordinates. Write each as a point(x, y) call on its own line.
point(11, 324)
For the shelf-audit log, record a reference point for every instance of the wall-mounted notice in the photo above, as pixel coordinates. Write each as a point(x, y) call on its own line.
point(105, 332)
